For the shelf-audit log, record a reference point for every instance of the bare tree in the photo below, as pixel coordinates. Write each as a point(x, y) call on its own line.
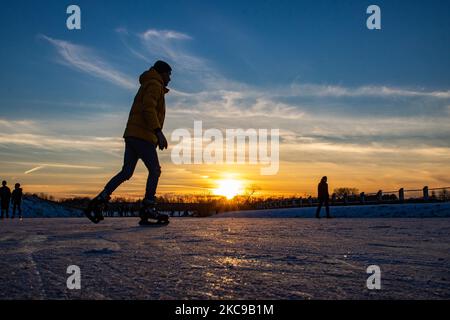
point(340, 192)
point(250, 191)
point(443, 195)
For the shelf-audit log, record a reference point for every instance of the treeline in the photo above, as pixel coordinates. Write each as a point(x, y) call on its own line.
point(204, 205)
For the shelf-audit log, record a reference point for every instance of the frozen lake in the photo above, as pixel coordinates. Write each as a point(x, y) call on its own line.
point(226, 258)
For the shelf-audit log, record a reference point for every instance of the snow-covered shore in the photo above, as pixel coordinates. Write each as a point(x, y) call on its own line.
point(34, 207)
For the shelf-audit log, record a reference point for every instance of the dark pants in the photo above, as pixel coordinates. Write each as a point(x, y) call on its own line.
point(321, 203)
point(5, 208)
point(136, 149)
point(17, 205)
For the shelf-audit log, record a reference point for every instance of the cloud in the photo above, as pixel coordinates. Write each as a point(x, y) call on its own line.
point(84, 59)
point(192, 71)
point(124, 35)
point(234, 105)
point(46, 138)
point(58, 165)
point(362, 91)
point(166, 45)
point(60, 143)
point(419, 114)
point(34, 169)
point(165, 35)
point(373, 148)
point(12, 126)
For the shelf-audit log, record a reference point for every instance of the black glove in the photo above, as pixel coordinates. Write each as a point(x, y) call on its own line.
point(162, 141)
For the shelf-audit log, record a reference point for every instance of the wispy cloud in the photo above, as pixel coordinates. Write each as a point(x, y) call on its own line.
point(170, 45)
point(362, 91)
point(234, 105)
point(165, 35)
point(373, 148)
point(58, 165)
point(166, 45)
point(84, 59)
point(60, 143)
point(34, 169)
point(47, 136)
point(124, 36)
point(11, 126)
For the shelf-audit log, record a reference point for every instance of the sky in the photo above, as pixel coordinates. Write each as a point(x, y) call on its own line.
point(370, 109)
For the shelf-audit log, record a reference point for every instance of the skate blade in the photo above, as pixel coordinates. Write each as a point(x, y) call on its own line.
point(154, 223)
point(93, 218)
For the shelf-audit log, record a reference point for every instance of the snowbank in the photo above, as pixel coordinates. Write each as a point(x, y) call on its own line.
point(423, 210)
point(35, 207)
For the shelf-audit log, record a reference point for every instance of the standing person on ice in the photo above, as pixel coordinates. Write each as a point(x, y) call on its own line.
point(5, 196)
point(323, 196)
point(143, 134)
point(16, 200)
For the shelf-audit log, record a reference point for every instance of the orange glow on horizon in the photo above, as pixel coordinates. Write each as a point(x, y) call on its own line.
point(229, 188)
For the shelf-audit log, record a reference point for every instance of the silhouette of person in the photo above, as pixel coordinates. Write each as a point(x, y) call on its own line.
point(5, 194)
point(323, 197)
point(16, 200)
point(143, 133)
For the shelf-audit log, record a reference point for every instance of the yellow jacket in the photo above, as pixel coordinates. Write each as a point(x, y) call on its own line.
point(149, 108)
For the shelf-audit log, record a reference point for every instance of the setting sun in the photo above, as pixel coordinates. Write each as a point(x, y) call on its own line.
point(228, 188)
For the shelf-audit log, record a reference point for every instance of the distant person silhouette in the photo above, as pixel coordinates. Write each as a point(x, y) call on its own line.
point(16, 200)
point(143, 134)
point(323, 196)
point(5, 194)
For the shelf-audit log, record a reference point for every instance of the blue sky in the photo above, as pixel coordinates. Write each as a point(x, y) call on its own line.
point(343, 95)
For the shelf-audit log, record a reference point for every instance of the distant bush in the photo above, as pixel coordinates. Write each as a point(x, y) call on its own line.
point(340, 192)
point(443, 195)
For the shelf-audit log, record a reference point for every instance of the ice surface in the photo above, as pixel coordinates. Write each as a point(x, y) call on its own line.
point(225, 258)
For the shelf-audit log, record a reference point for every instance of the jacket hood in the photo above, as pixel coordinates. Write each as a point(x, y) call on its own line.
point(149, 75)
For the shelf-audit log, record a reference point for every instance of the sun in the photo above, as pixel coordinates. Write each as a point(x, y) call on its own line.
point(228, 188)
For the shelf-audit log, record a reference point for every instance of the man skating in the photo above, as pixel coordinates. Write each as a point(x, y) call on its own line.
point(143, 134)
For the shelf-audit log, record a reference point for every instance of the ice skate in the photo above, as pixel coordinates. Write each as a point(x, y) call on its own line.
point(149, 211)
point(94, 211)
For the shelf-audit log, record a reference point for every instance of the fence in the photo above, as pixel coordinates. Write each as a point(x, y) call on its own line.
point(423, 195)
